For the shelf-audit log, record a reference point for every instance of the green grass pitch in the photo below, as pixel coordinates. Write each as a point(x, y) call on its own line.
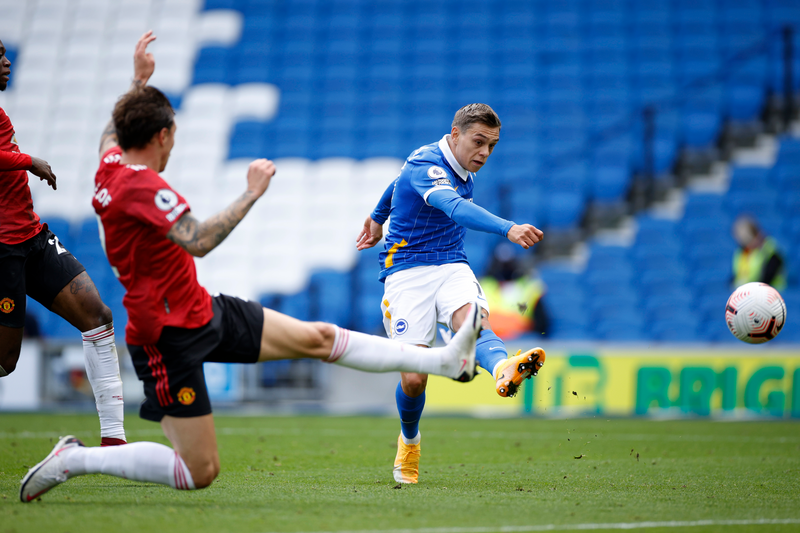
point(317, 474)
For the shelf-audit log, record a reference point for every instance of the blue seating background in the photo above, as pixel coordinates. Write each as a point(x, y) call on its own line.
point(569, 79)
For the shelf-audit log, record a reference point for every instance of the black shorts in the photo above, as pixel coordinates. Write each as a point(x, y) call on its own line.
point(172, 369)
point(40, 268)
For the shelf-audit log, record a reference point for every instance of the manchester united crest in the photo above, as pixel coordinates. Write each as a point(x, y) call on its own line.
point(6, 305)
point(186, 396)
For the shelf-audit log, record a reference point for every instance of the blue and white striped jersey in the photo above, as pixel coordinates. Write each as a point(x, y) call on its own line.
point(420, 234)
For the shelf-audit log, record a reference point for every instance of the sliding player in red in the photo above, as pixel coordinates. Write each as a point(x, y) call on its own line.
point(34, 263)
point(174, 325)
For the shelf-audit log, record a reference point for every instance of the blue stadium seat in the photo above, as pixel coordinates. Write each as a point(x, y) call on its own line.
point(682, 329)
point(701, 128)
point(749, 178)
point(330, 297)
point(786, 177)
point(757, 203)
point(297, 305)
point(563, 210)
point(624, 326)
point(607, 257)
point(610, 183)
point(213, 65)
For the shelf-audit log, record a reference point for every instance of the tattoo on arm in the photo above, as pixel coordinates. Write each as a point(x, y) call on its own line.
point(109, 139)
point(199, 238)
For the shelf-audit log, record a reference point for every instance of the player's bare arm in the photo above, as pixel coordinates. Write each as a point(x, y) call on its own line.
point(199, 238)
point(371, 234)
point(144, 64)
point(525, 235)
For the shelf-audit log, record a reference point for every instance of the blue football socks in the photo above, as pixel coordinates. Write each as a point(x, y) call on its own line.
point(410, 410)
point(490, 350)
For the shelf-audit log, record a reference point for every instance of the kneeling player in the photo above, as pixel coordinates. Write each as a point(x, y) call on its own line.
point(174, 325)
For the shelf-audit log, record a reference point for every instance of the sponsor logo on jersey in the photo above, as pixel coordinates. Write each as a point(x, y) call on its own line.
point(137, 168)
point(113, 158)
point(445, 182)
point(186, 396)
point(6, 305)
point(437, 173)
point(401, 326)
point(166, 199)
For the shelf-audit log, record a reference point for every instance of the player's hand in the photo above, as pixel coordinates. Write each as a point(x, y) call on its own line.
point(41, 168)
point(525, 235)
point(144, 64)
point(259, 175)
point(371, 234)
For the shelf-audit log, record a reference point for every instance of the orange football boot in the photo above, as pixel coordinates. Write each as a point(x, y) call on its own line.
point(406, 463)
point(517, 369)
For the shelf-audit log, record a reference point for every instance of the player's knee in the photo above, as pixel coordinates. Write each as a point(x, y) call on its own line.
point(414, 384)
point(100, 315)
point(205, 474)
point(319, 339)
point(8, 358)
point(8, 366)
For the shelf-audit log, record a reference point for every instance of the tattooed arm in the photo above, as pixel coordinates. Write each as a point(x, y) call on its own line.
point(144, 64)
point(199, 238)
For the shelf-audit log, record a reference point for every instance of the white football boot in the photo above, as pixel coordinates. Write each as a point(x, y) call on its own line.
point(458, 358)
point(48, 473)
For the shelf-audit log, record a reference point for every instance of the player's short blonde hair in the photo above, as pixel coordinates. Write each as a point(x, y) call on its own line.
point(475, 113)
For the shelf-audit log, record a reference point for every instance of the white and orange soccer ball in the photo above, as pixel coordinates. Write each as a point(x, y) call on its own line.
point(755, 313)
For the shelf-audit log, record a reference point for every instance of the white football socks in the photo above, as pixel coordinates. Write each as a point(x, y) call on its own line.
point(102, 369)
point(376, 354)
point(139, 461)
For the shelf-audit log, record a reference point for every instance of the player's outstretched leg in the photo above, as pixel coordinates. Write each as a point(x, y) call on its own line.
point(139, 461)
point(376, 354)
point(510, 374)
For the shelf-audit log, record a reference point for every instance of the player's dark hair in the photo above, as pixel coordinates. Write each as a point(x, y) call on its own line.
point(475, 113)
point(140, 114)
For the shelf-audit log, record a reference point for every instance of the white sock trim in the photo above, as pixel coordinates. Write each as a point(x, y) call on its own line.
point(182, 476)
point(496, 366)
point(415, 440)
point(97, 334)
point(341, 340)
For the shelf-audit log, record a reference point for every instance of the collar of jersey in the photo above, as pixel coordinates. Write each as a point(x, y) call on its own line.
point(444, 146)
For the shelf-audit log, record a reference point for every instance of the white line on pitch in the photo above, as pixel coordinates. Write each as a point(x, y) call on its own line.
point(579, 527)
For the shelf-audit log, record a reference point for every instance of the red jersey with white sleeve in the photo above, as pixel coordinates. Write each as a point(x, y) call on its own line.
point(136, 209)
point(18, 222)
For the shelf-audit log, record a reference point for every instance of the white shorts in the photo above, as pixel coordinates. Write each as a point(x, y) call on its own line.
point(418, 298)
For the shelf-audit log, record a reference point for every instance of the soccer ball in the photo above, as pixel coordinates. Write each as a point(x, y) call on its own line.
point(755, 313)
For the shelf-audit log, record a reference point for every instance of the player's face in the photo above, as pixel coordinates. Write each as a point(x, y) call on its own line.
point(169, 142)
point(5, 68)
point(475, 145)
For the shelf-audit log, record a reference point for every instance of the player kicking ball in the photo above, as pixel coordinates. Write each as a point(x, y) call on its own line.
point(174, 325)
point(424, 266)
point(34, 263)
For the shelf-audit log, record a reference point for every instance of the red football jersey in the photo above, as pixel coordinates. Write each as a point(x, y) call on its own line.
point(137, 208)
point(18, 222)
